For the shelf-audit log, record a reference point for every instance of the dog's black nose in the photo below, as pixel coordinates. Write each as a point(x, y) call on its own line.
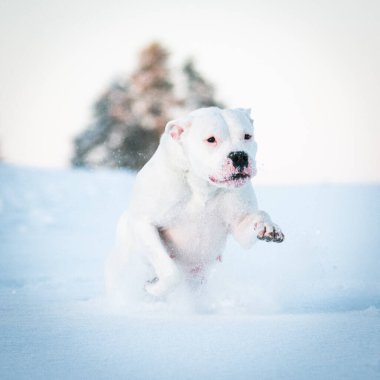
point(239, 159)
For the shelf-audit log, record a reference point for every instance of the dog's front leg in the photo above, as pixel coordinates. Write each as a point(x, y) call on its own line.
point(259, 225)
point(168, 275)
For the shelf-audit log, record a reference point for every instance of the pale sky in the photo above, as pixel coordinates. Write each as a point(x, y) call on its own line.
point(308, 69)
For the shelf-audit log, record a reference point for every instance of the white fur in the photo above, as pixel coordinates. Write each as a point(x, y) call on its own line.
point(185, 204)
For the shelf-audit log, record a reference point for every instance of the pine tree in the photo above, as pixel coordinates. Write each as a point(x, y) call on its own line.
point(96, 146)
point(199, 92)
point(130, 117)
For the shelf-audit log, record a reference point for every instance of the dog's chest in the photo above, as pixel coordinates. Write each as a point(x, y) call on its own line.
point(197, 233)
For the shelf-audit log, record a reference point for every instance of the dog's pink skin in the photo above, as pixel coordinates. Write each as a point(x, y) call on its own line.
point(228, 170)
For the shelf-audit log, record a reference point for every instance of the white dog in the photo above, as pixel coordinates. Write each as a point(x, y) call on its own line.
point(193, 193)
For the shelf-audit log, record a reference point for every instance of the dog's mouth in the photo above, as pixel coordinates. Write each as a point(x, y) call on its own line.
point(235, 179)
point(232, 176)
point(238, 176)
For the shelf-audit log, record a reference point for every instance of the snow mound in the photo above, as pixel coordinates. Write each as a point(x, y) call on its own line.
point(307, 308)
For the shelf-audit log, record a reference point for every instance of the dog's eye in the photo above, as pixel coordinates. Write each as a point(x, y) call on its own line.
point(211, 139)
point(247, 136)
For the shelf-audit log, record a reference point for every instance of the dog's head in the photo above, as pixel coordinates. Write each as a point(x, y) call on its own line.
point(218, 144)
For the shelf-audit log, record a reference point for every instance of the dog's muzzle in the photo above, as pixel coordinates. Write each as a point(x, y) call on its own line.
point(239, 160)
point(237, 170)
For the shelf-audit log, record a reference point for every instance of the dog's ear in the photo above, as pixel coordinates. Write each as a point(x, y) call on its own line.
point(246, 111)
point(176, 128)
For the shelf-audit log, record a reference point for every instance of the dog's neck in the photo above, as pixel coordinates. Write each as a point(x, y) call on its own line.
point(202, 190)
point(173, 154)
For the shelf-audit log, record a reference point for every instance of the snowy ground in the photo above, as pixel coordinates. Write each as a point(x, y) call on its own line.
point(306, 309)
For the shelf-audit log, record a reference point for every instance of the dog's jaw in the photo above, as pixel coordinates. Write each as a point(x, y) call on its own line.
point(231, 177)
point(233, 181)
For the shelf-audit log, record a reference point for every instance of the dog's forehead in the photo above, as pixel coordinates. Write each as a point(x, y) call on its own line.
point(237, 119)
point(210, 120)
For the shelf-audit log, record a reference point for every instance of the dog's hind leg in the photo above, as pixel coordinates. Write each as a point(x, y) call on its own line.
point(165, 269)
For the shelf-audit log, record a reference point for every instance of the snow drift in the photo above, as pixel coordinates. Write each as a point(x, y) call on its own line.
point(308, 308)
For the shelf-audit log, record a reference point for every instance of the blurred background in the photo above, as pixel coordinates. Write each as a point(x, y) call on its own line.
point(94, 82)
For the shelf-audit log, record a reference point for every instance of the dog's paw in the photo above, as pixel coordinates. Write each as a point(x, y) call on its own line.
point(269, 232)
point(161, 287)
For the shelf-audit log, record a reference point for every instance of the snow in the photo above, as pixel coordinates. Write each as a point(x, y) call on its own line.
point(306, 308)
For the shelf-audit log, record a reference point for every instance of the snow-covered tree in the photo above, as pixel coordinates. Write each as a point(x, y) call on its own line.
point(199, 92)
point(129, 118)
point(96, 146)
point(131, 115)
